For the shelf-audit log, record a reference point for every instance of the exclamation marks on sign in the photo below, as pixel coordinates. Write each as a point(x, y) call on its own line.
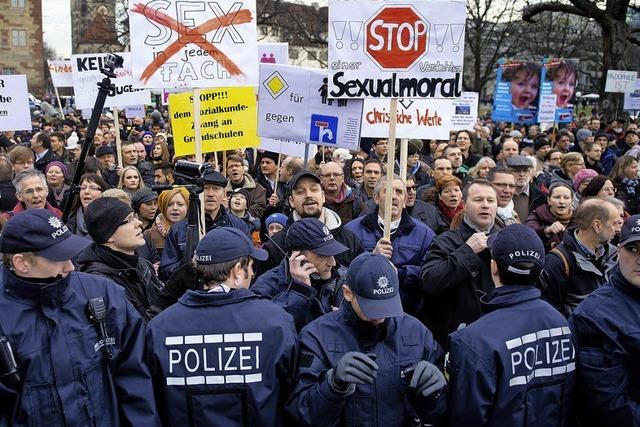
point(339, 28)
point(440, 32)
point(457, 30)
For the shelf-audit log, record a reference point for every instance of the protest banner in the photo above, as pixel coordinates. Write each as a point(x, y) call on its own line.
point(293, 104)
point(193, 44)
point(632, 99)
point(396, 50)
point(516, 93)
point(547, 113)
point(227, 120)
point(620, 81)
point(465, 114)
point(273, 53)
point(86, 75)
point(61, 73)
point(14, 103)
point(559, 76)
point(283, 146)
point(134, 111)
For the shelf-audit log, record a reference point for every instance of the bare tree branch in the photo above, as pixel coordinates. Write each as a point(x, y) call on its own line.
point(532, 11)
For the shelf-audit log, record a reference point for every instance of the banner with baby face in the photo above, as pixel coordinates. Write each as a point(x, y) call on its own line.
point(517, 90)
point(559, 76)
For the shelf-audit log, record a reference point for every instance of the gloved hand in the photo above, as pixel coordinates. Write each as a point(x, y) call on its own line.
point(354, 368)
point(427, 379)
point(182, 279)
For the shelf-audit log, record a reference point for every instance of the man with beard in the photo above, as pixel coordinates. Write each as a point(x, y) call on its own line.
point(307, 201)
point(239, 179)
point(505, 184)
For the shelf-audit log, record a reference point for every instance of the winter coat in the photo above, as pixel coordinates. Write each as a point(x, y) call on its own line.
point(257, 202)
point(539, 219)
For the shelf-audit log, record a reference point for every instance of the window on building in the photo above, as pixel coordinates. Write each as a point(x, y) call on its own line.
point(293, 53)
point(19, 38)
point(7, 71)
point(17, 3)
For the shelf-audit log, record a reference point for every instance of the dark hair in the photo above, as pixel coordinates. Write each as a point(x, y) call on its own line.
point(6, 169)
point(376, 161)
point(509, 278)
point(218, 273)
point(464, 131)
point(347, 167)
point(595, 185)
point(511, 69)
point(567, 66)
point(234, 158)
point(547, 156)
point(91, 177)
point(92, 165)
point(44, 139)
point(498, 169)
point(58, 135)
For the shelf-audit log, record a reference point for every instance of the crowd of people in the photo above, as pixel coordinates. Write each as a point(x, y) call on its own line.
point(512, 251)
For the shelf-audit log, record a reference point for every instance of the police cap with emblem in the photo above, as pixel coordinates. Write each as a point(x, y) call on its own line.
point(224, 244)
point(311, 234)
point(41, 232)
point(514, 245)
point(630, 230)
point(374, 280)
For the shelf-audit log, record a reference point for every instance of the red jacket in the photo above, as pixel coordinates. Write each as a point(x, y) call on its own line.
point(20, 208)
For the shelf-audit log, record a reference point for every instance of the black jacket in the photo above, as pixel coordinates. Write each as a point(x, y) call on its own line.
point(148, 173)
point(140, 283)
point(8, 198)
point(49, 156)
point(454, 278)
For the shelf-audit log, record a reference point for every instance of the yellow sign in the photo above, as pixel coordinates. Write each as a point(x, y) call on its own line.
point(228, 120)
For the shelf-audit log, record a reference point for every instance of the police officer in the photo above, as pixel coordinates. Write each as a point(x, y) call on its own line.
point(513, 366)
point(607, 329)
point(78, 343)
point(368, 363)
point(222, 356)
point(307, 283)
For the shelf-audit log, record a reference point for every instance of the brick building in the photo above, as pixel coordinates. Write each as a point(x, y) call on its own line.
point(21, 44)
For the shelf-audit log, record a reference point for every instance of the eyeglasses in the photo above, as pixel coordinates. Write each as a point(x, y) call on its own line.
point(331, 175)
point(25, 163)
point(130, 219)
point(32, 191)
point(411, 188)
point(90, 188)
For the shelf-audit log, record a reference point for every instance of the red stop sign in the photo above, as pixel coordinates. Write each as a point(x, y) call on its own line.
point(396, 37)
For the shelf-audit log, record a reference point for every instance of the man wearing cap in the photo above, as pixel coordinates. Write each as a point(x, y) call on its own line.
point(117, 235)
point(215, 216)
point(541, 147)
point(368, 362)
point(608, 156)
point(409, 244)
point(144, 202)
point(307, 283)
point(222, 356)
point(339, 197)
point(307, 201)
point(513, 366)
point(71, 370)
point(527, 196)
point(238, 178)
point(606, 326)
point(107, 158)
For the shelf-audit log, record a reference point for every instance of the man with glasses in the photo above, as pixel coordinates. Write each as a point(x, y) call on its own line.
point(31, 192)
point(117, 234)
point(339, 197)
point(606, 327)
point(505, 184)
point(21, 158)
point(380, 150)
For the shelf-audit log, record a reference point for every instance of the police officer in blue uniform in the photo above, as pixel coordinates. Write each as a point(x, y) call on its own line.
point(78, 343)
point(607, 330)
point(222, 356)
point(368, 363)
point(515, 365)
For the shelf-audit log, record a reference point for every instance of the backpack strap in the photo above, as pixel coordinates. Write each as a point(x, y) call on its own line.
point(563, 257)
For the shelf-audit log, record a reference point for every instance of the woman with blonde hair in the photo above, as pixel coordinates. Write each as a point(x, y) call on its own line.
point(172, 207)
point(130, 180)
point(482, 168)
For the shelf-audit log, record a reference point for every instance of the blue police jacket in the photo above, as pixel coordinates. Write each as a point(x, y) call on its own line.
point(176, 241)
point(514, 366)
point(410, 248)
point(222, 359)
point(67, 380)
point(607, 330)
point(399, 343)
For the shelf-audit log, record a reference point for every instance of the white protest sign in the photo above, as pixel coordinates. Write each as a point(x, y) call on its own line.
point(61, 73)
point(288, 147)
point(620, 81)
point(134, 111)
point(396, 49)
point(293, 104)
point(193, 44)
point(86, 75)
point(273, 53)
point(14, 103)
point(416, 118)
point(632, 99)
point(547, 108)
point(465, 114)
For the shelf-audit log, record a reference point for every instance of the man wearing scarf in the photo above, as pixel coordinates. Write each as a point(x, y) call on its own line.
point(339, 197)
point(505, 184)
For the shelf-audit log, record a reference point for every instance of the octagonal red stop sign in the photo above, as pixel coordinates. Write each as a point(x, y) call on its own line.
point(396, 37)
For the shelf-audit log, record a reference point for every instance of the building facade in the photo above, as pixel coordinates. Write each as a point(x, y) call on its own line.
point(93, 27)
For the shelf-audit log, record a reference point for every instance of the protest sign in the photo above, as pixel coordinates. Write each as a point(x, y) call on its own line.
point(416, 118)
point(14, 103)
point(294, 105)
point(61, 73)
point(547, 113)
point(227, 120)
point(515, 98)
point(559, 76)
point(134, 111)
point(288, 147)
point(86, 75)
point(632, 99)
point(396, 50)
point(273, 53)
point(465, 114)
point(620, 81)
point(193, 44)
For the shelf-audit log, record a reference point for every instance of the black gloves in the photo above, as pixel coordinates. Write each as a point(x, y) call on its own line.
point(353, 368)
point(427, 379)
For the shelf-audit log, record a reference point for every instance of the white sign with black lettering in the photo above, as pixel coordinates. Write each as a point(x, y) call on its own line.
point(14, 103)
point(620, 81)
point(214, 359)
point(87, 75)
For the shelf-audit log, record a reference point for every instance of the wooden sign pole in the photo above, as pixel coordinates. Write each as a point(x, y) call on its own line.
point(391, 160)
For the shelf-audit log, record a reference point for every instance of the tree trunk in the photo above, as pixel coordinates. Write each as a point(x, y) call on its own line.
point(614, 55)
